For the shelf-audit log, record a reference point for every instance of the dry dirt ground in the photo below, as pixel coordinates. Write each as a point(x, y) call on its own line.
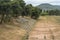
point(17, 29)
point(45, 29)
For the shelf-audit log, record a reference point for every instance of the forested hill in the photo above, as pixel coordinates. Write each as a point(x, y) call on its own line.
point(46, 6)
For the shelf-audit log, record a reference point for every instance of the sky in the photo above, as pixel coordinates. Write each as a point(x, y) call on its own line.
point(37, 2)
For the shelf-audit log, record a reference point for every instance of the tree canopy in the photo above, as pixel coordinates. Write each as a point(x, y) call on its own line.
point(16, 8)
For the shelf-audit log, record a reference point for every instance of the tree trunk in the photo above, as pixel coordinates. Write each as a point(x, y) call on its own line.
point(2, 19)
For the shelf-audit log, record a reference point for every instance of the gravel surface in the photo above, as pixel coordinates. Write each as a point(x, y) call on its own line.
point(26, 23)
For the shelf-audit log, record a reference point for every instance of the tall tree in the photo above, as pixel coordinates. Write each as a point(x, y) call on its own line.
point(4, 9)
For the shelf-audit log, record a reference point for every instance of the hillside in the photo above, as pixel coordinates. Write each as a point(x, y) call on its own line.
point(46, 6)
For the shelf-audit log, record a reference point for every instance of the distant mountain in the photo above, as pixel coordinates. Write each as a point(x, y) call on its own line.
point(46, 6)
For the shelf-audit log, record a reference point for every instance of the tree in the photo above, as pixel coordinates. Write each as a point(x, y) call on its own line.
point(10, 9)
point(33, 12)
point(36, 13)
point(28, 9)
point(4, 9)
point(54, 12)
point(18, 8)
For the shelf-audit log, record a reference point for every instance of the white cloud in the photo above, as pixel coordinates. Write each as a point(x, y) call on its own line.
point(37, 2)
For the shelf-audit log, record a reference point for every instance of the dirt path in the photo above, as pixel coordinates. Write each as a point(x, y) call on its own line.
point(45, 30)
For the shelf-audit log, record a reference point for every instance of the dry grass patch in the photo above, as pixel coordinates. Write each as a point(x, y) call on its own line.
point(9, 32)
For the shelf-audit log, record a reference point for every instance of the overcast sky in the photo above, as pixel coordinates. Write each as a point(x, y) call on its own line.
point(37, 2)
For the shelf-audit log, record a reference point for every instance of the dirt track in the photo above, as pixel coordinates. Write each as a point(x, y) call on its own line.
point(45, 30)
